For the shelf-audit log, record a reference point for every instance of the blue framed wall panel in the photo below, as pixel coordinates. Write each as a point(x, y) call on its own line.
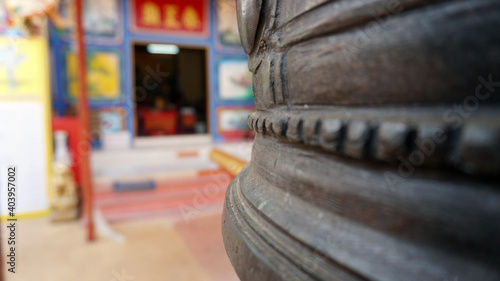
point(94, 37)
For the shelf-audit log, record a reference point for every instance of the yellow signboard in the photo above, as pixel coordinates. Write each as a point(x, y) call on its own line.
point(24, 67)
point(25, 132)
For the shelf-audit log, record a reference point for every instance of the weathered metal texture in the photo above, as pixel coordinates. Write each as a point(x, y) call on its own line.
point(248, 21)
point(377, 154)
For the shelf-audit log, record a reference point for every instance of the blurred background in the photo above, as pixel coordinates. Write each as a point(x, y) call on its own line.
point(121, 177)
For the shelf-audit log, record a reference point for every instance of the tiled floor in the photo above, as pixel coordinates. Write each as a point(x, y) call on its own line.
point(162, 248)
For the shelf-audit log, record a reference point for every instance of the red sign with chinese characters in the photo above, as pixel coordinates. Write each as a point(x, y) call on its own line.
point(182, 17)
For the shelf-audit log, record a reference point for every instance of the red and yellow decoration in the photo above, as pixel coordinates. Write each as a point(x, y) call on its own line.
point(30, 15)
point(179, 17)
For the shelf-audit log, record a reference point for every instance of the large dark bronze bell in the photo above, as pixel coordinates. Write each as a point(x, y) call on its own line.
point(377, 149)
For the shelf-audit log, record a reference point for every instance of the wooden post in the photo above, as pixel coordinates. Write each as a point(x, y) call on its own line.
point(85, 135)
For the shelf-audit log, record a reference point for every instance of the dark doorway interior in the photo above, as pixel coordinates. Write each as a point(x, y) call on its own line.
point(171, 90)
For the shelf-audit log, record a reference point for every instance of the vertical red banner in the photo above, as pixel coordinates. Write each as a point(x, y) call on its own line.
point(177, 17)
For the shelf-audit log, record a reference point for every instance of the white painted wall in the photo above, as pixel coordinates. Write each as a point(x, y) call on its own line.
point(23, 144)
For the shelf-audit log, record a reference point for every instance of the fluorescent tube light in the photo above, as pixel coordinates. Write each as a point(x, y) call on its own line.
point(163, 49)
